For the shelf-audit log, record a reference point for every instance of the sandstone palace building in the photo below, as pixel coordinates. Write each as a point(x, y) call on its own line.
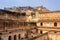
point(29, 23)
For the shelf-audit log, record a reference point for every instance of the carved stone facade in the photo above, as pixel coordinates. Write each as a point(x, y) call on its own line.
point(29, 23)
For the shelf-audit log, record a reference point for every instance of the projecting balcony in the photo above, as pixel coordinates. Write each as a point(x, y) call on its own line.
point(23, 27)
point(11, 17)
point(6, 16)
point(12, 25)
point(16, 27)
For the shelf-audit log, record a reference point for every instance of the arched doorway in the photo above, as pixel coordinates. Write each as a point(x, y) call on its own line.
point(9, 38)
point(14, 37)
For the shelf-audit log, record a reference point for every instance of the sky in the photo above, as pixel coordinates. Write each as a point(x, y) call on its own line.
point(49, 4)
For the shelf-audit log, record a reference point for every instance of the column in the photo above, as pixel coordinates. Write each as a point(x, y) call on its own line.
point(17, 37)
point(12, 38)
point(38, 31)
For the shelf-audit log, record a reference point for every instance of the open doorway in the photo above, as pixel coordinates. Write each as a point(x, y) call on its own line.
point(14, 37)
point(9, 38)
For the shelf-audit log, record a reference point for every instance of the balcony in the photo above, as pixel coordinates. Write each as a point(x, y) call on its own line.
point(12, 25)
point(6, 16)
point(11, 17)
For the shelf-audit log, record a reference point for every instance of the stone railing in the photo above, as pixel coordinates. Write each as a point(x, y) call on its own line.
point(41, 37)
point(51, 35)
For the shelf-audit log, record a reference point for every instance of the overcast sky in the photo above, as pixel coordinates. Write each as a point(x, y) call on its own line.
point(49, 4)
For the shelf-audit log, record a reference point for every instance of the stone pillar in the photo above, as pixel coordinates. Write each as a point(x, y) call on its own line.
point(39, 31)
point(12, 37)
point(17, 37)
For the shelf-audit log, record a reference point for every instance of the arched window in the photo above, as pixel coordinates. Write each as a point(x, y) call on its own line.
point(41, 23)
point(9, 38)
point(41, 32)
point(55, 24)
point(14, 37)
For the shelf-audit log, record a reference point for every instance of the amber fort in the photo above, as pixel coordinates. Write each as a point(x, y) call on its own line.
point(29, 23)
